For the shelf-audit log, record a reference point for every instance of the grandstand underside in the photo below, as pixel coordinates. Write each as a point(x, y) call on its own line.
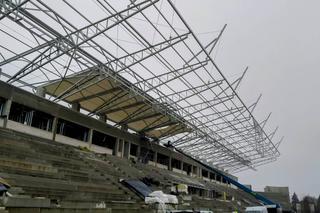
point(90, 92)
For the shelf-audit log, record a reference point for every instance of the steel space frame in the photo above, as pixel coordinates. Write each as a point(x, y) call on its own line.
point(222, 129)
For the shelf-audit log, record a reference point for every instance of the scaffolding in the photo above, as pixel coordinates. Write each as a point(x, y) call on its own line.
point(134, 61)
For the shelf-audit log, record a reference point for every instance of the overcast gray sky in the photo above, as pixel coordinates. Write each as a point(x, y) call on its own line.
point(279, 41)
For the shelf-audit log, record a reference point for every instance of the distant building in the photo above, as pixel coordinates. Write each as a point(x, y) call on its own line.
point(277, 189)
point(248, 186)
point(279, 195)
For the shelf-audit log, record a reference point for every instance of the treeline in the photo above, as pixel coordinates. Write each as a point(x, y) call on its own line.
point(308, 204)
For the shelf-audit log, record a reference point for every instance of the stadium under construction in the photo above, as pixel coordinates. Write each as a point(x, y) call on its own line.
point(103, 100)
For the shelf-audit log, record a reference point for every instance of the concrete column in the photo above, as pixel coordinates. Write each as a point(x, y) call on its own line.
point(90, 137)
point(155, 158)
point(41, 92)
point(54, 128)
point(181, 166)
point(126, 149)
point(121, 144)
point(138, 151)
point(199, 172)
point(116, 148)
point(75, 107)
point(170, 163)
point(6, 111)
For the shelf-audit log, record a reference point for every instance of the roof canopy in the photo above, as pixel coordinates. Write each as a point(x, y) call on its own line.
point(98, 94)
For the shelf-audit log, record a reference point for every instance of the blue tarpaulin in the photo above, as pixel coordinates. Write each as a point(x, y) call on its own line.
point(139, 187)
point(3, 188)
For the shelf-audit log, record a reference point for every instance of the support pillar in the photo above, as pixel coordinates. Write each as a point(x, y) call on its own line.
point(54, 128)
point(155, 158)
point(170, 163)
point(181, 168)
point(126, 149)
point(199, 172)
point(6, 111)
point(90, 137)
point(116, 147)
point(121, 145)
point(138, 152)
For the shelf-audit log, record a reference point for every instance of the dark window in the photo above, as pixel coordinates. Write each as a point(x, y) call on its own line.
point(195, 170)
point(218, 178)
point(176, 164)
point(187, 168)
point(103, 140)
point(212, 176)
point(204, 173)
point(133, 149)
point(72, 130)
point(163, 159)
point(146, 155)
point(30, 117)
point(121, 144)
point(224, 180)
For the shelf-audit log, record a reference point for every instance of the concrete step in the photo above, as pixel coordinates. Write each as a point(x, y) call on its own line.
point(26, 202)
point(57, 210)
point(48, 183)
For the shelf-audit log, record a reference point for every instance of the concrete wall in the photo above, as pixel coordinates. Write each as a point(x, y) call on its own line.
point(277, 189)
point(101, 150)
point(1, 122)
point(70, 141)
point(29, 130)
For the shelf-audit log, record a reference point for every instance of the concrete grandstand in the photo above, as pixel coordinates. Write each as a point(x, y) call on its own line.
point(96, 100)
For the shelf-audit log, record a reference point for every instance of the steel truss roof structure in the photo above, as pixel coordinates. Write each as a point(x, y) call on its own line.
point(140, 64)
